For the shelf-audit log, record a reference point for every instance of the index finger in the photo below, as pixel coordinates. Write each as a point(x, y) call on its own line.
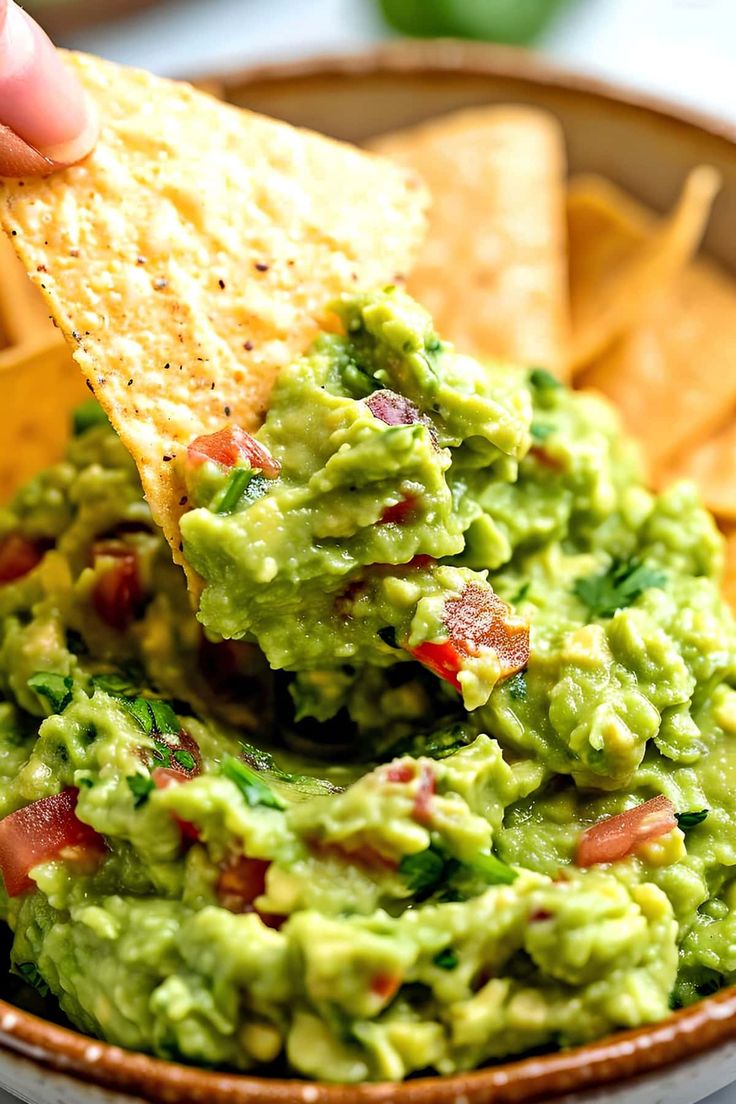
point(45, 118)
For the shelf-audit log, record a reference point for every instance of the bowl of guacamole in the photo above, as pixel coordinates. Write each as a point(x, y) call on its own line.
point(437, 777)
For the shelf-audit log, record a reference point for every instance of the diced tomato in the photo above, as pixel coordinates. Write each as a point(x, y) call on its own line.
point(18, 556)
point(402, 772)
point(44, 830)
point(400, 512)
point(444, 660)
point(163, 777)
point(426, 787)
point(241, 881)
point(394, 409)
point(117, 594)
point(422, 811)
point(476, 620)
point(230, 446)
point(545, 459)
point(618, 836)
point(184, 759)
point(385, 985)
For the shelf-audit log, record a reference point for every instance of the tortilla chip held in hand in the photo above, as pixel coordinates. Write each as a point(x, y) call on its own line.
point(190, 256)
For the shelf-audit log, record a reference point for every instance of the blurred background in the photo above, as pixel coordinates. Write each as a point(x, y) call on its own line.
point(683, 49)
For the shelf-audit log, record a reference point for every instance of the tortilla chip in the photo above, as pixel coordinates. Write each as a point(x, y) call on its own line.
point(191, 254)
point(493, 268)
point(673, 375)
point(713, 467)
point(38, 391)
point(620, 263)
point(24, 317)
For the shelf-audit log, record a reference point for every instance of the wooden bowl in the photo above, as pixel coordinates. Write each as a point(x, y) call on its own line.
point(647, 147)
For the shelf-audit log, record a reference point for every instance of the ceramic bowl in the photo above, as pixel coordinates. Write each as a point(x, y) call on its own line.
point(647, 147)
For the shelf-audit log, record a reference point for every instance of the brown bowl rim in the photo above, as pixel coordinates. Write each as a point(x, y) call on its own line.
point(626, 1054)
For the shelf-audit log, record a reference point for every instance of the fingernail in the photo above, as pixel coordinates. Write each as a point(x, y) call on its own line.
point(67, 153)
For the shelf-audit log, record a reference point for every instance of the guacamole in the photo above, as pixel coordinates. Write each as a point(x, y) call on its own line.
point(441, 771)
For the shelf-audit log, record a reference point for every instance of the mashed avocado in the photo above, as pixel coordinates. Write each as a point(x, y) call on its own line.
point(462, 638)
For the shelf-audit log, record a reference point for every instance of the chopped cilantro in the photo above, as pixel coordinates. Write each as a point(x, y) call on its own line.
point(140, 786)
point(250, 785)
point(690, 820)
point(57, 689)
point(618, 586)
point(542, 380)
point(540, 431)
point(87, 415)
point(31, 974)
point(517, 686)
point(185, 759)
point(521, 593)
point(425, 871)
point(446, 959)
point(492, 870)
point(243, 487)
point(435, 745)
point(117, 684)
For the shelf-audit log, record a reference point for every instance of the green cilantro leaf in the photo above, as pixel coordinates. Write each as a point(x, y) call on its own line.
point(521, 593)
point(690, 820)
point(492, 870)
point(424, 871)
point(517, 686)
point(542, 380)
point(56, 689)
point(185, 759)
point(620, 585)
point(116, 684)
point(446, 959)
point(540, 431)
point(140, 786)
point(31, 974)
point(250, 785)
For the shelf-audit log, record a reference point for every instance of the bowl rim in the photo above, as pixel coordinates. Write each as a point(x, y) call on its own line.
point(626, 1054)
point(455, 57)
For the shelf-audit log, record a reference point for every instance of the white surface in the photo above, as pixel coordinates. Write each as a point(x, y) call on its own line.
point(684, 49)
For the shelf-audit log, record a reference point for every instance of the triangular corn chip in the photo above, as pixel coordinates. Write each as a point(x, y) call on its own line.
point(191, 254)
point(493, 268)
point(612, 286)
point(673, 373)
point(713, 467)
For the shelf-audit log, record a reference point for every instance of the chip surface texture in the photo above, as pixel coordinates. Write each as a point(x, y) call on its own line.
point(192, 254)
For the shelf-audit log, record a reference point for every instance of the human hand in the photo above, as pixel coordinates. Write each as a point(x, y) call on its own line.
point(46, 121)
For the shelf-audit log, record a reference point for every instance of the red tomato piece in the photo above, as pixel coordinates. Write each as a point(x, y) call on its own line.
point(163, 777)
point(400, 512)
point(422, 811)
point(44, 830)
point(618, 836)
point(475, 620)
point(241, 881)
point(545, 459)
point(442, 659)
point(117, 594)
point(402, 772)
point(230, 446)
point(385, 985)
point(18, 556)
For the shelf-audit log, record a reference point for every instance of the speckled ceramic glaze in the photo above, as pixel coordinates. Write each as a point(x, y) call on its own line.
point(647, 148)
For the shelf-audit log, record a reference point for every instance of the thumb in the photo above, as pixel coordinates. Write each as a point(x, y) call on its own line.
point(46, 121)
